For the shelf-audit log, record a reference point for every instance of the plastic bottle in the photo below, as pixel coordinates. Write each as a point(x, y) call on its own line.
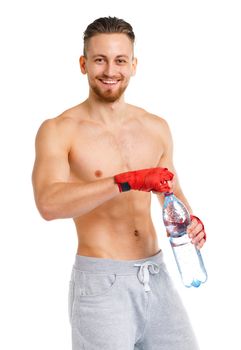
point(189, 260)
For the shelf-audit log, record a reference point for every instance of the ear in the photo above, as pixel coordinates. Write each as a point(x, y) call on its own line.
point(134, 64)
point(82, 63)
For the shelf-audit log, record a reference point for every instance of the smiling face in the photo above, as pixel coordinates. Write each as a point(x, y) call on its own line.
point(109, 64)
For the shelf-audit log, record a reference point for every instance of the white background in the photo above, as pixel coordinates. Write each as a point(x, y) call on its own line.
point(189, 73)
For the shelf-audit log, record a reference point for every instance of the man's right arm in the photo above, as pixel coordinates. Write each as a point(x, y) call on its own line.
point(55, 196)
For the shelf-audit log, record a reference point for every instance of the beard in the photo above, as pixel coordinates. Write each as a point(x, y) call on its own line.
point(108, 95)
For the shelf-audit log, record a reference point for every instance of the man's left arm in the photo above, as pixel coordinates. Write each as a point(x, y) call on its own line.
point(196, 228)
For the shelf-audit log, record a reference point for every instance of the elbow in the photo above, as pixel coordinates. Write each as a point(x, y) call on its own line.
point(46, 214)
point(46, 211)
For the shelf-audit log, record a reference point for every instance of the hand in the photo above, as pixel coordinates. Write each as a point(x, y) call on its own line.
point(170, 185)
point(196, 232)
point(153, 179)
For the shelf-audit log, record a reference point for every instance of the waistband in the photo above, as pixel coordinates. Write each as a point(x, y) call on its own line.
point(119, 267)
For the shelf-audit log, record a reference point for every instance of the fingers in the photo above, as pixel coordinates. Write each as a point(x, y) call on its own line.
point(164, 187)
point(196, 233)
point(194, 228)
point(200, 244)
point(198, 239)
point(165, 174)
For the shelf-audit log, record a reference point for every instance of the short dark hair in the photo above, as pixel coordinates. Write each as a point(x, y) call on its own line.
point(105, 25)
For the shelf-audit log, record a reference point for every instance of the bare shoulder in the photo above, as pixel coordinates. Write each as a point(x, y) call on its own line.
point(151, 121)
point(157, 122)
point(60, 127)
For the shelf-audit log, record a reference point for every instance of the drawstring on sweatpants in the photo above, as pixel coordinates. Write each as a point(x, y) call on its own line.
point(144, 273)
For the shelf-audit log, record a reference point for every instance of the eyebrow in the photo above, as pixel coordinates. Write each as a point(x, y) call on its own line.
point(118, 56)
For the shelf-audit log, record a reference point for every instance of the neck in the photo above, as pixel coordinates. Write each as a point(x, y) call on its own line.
point(106, 112)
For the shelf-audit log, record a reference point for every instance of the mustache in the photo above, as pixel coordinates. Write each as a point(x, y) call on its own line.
point(112, 77)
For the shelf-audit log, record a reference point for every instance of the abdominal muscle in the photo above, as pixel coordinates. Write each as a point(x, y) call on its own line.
point(119, 229)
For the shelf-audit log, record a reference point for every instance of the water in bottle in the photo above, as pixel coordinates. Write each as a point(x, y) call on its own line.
point(189, 260)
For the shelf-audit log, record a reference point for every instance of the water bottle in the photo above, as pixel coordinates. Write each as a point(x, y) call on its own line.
point(189, 260)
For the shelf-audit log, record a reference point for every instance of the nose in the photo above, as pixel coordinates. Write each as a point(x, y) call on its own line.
point(110, 69)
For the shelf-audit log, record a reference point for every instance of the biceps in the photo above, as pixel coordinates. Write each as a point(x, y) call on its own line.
point(49, 170)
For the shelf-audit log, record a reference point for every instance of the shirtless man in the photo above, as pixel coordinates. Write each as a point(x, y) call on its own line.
point(120, 296)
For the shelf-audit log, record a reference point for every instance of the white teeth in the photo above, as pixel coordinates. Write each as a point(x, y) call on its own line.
point(109, 81)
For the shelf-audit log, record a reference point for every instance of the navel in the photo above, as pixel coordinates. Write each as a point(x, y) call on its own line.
point(136, 233)
point(98, 173)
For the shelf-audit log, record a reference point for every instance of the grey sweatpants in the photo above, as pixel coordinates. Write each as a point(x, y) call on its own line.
point(126, 305)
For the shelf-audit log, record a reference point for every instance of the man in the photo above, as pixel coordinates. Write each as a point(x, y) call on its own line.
point(98, 163)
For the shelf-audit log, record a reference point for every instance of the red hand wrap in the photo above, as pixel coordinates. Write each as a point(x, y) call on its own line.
point(200, 222)
point(153, 179)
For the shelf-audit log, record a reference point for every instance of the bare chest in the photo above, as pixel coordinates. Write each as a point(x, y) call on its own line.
point(99, 153)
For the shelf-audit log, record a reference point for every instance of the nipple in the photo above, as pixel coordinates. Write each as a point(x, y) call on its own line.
point(98, 173)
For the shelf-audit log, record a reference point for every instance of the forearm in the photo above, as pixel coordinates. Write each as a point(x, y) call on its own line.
point(69, 200)
point(179, 194)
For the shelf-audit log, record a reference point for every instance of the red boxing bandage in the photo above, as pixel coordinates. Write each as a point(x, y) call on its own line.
point(153, 179)
point(200, 222)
